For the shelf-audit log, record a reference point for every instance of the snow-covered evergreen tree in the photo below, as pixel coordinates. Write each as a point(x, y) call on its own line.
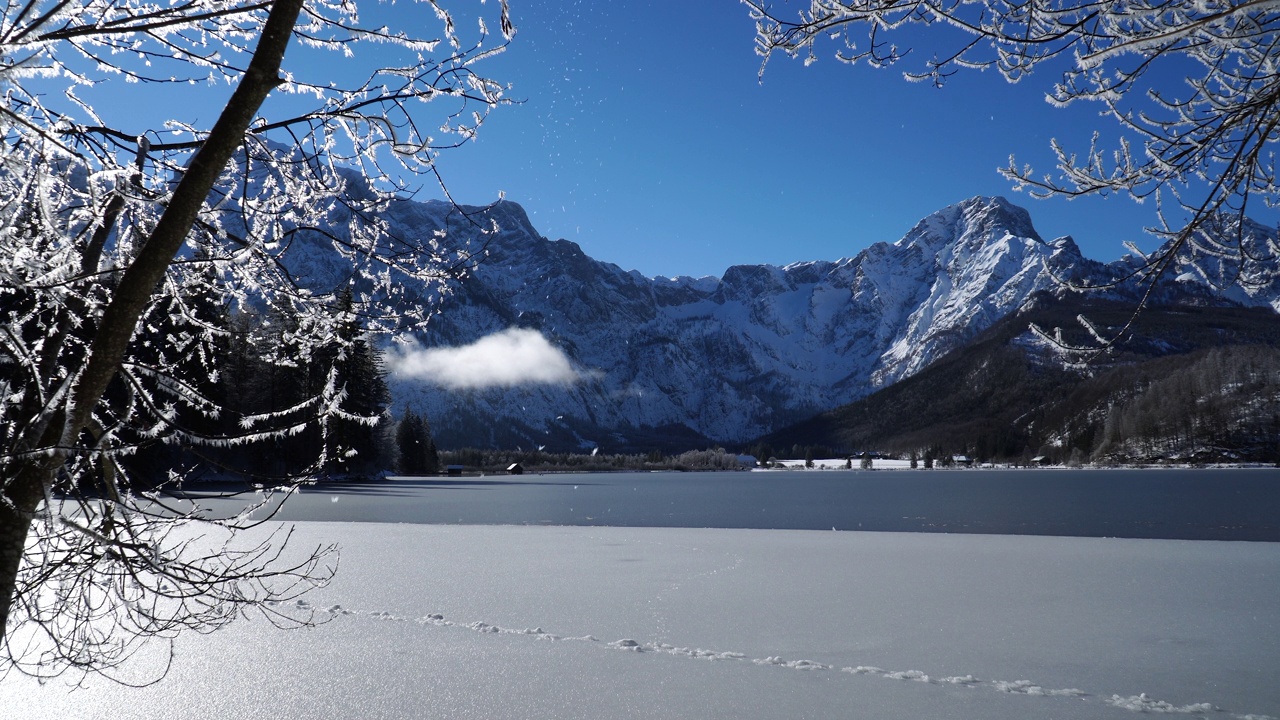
point(350, 435)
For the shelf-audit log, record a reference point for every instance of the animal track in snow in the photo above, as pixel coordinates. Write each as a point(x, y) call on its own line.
point(1140, 703)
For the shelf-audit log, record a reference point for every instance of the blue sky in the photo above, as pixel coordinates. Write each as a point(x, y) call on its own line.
point(646, 137)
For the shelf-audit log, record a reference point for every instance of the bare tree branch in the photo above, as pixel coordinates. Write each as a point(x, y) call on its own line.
point(117, 244)
point(1202, 150)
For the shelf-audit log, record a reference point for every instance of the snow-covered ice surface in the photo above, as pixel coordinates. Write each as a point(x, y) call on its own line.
point(490, 622)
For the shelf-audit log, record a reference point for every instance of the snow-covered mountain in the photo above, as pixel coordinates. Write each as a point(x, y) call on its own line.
point(665, 361)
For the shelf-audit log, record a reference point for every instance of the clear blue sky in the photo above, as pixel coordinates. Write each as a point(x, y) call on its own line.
point(646, 137)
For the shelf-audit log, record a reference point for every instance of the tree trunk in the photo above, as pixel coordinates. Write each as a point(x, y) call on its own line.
point(24, 494)
point(116, 328)
point(15, 521)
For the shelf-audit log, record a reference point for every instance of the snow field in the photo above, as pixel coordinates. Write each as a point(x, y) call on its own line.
point(522, 622)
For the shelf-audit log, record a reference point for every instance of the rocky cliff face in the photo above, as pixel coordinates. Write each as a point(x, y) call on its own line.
point(677, 361)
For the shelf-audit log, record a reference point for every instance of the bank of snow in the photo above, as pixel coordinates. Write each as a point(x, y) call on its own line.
point(553, 622)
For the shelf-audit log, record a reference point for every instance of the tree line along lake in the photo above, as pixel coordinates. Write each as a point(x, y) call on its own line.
point(1189, 504)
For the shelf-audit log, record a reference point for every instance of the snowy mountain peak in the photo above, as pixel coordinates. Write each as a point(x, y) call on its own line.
point(957, 271)
point(971, 222)
point(688, 361)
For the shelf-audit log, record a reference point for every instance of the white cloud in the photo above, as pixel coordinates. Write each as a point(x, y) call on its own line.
point(505, 359)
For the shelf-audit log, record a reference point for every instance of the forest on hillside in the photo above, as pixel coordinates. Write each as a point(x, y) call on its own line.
point(1191, 384)
point(268, 387)
point(1219, 404)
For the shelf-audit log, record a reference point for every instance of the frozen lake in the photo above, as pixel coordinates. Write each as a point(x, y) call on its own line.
point(512, 622)
point(1210, 504)
point(501, 598)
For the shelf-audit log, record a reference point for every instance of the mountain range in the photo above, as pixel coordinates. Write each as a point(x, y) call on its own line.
point(673, 363)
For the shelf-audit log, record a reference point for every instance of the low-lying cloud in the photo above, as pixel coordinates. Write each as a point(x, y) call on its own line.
point(505, 359)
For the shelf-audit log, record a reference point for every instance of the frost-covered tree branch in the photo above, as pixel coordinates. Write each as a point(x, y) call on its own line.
point(1193, 89)
point(127, 252)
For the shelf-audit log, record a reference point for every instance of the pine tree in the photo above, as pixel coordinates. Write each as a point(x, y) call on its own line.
point(278, 381)
point(430, 455)
point(418, 455)
point(352, 434)
point(407, 442)
point(183, 344)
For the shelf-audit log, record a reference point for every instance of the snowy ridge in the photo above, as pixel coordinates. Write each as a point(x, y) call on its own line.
point(1251, 283)
point(1139, 703)
point(670, 360)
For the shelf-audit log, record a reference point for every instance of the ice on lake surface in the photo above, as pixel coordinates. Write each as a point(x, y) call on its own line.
point(487, 622)
point(1202, 504)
